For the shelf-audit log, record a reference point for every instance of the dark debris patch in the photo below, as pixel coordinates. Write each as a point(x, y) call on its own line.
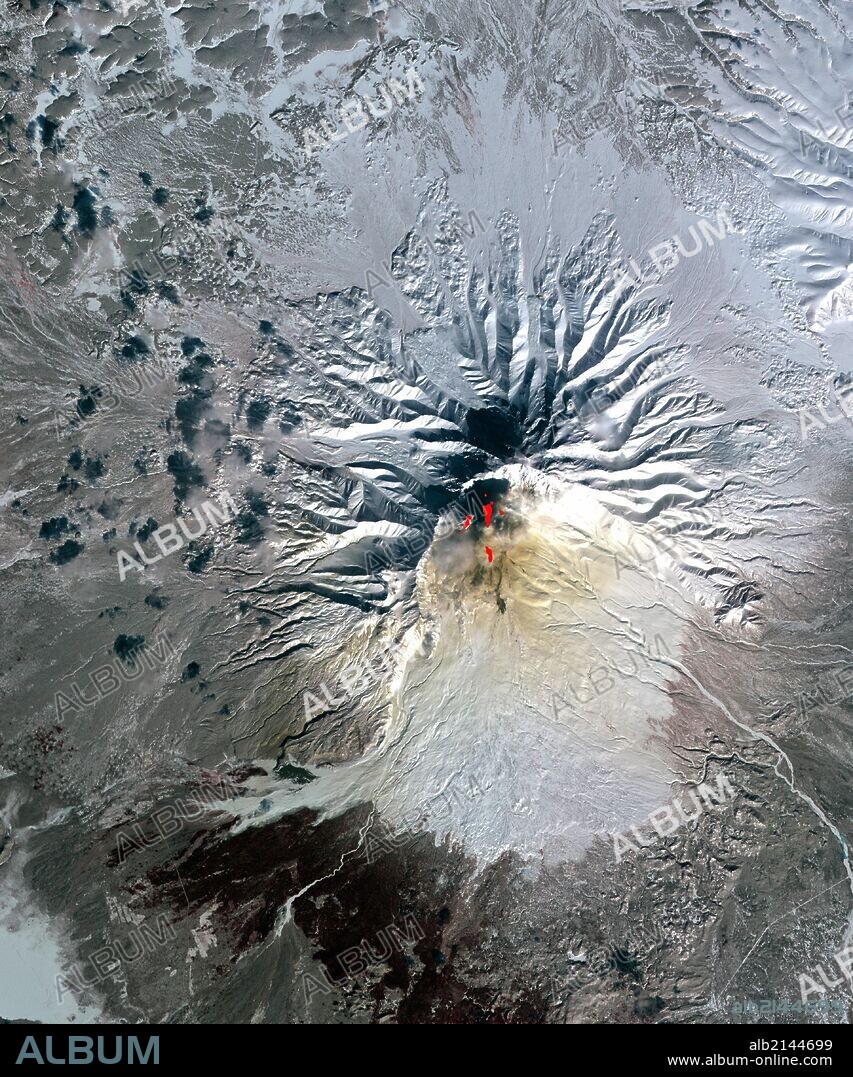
point(247, 876)
point(134, 349)
point(47, 129)
point(168, 292)
point(94, 468)
point(66, 552)
point(192, 670)
point(257, 414)
point(124, 645)
point(291, 773)
point(191, 344)
point(84, 206)
point(186, 473)
point(199, 555)
point(54, 527)
point(108, 509)
point(248, 522)
point(189, 411)
point(195, 373)
point(203, 212)
point(217, 428)
point(73, 48)
point(146, 530)
point(59, 218)
point(87, 401)
point(136, 283)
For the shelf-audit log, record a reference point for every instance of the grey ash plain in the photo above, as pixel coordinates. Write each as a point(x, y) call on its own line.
point(323, 761)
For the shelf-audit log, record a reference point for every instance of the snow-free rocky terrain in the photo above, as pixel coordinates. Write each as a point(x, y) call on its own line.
point(425, 511)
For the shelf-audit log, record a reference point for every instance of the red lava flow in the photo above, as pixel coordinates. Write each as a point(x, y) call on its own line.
point(487, 513)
